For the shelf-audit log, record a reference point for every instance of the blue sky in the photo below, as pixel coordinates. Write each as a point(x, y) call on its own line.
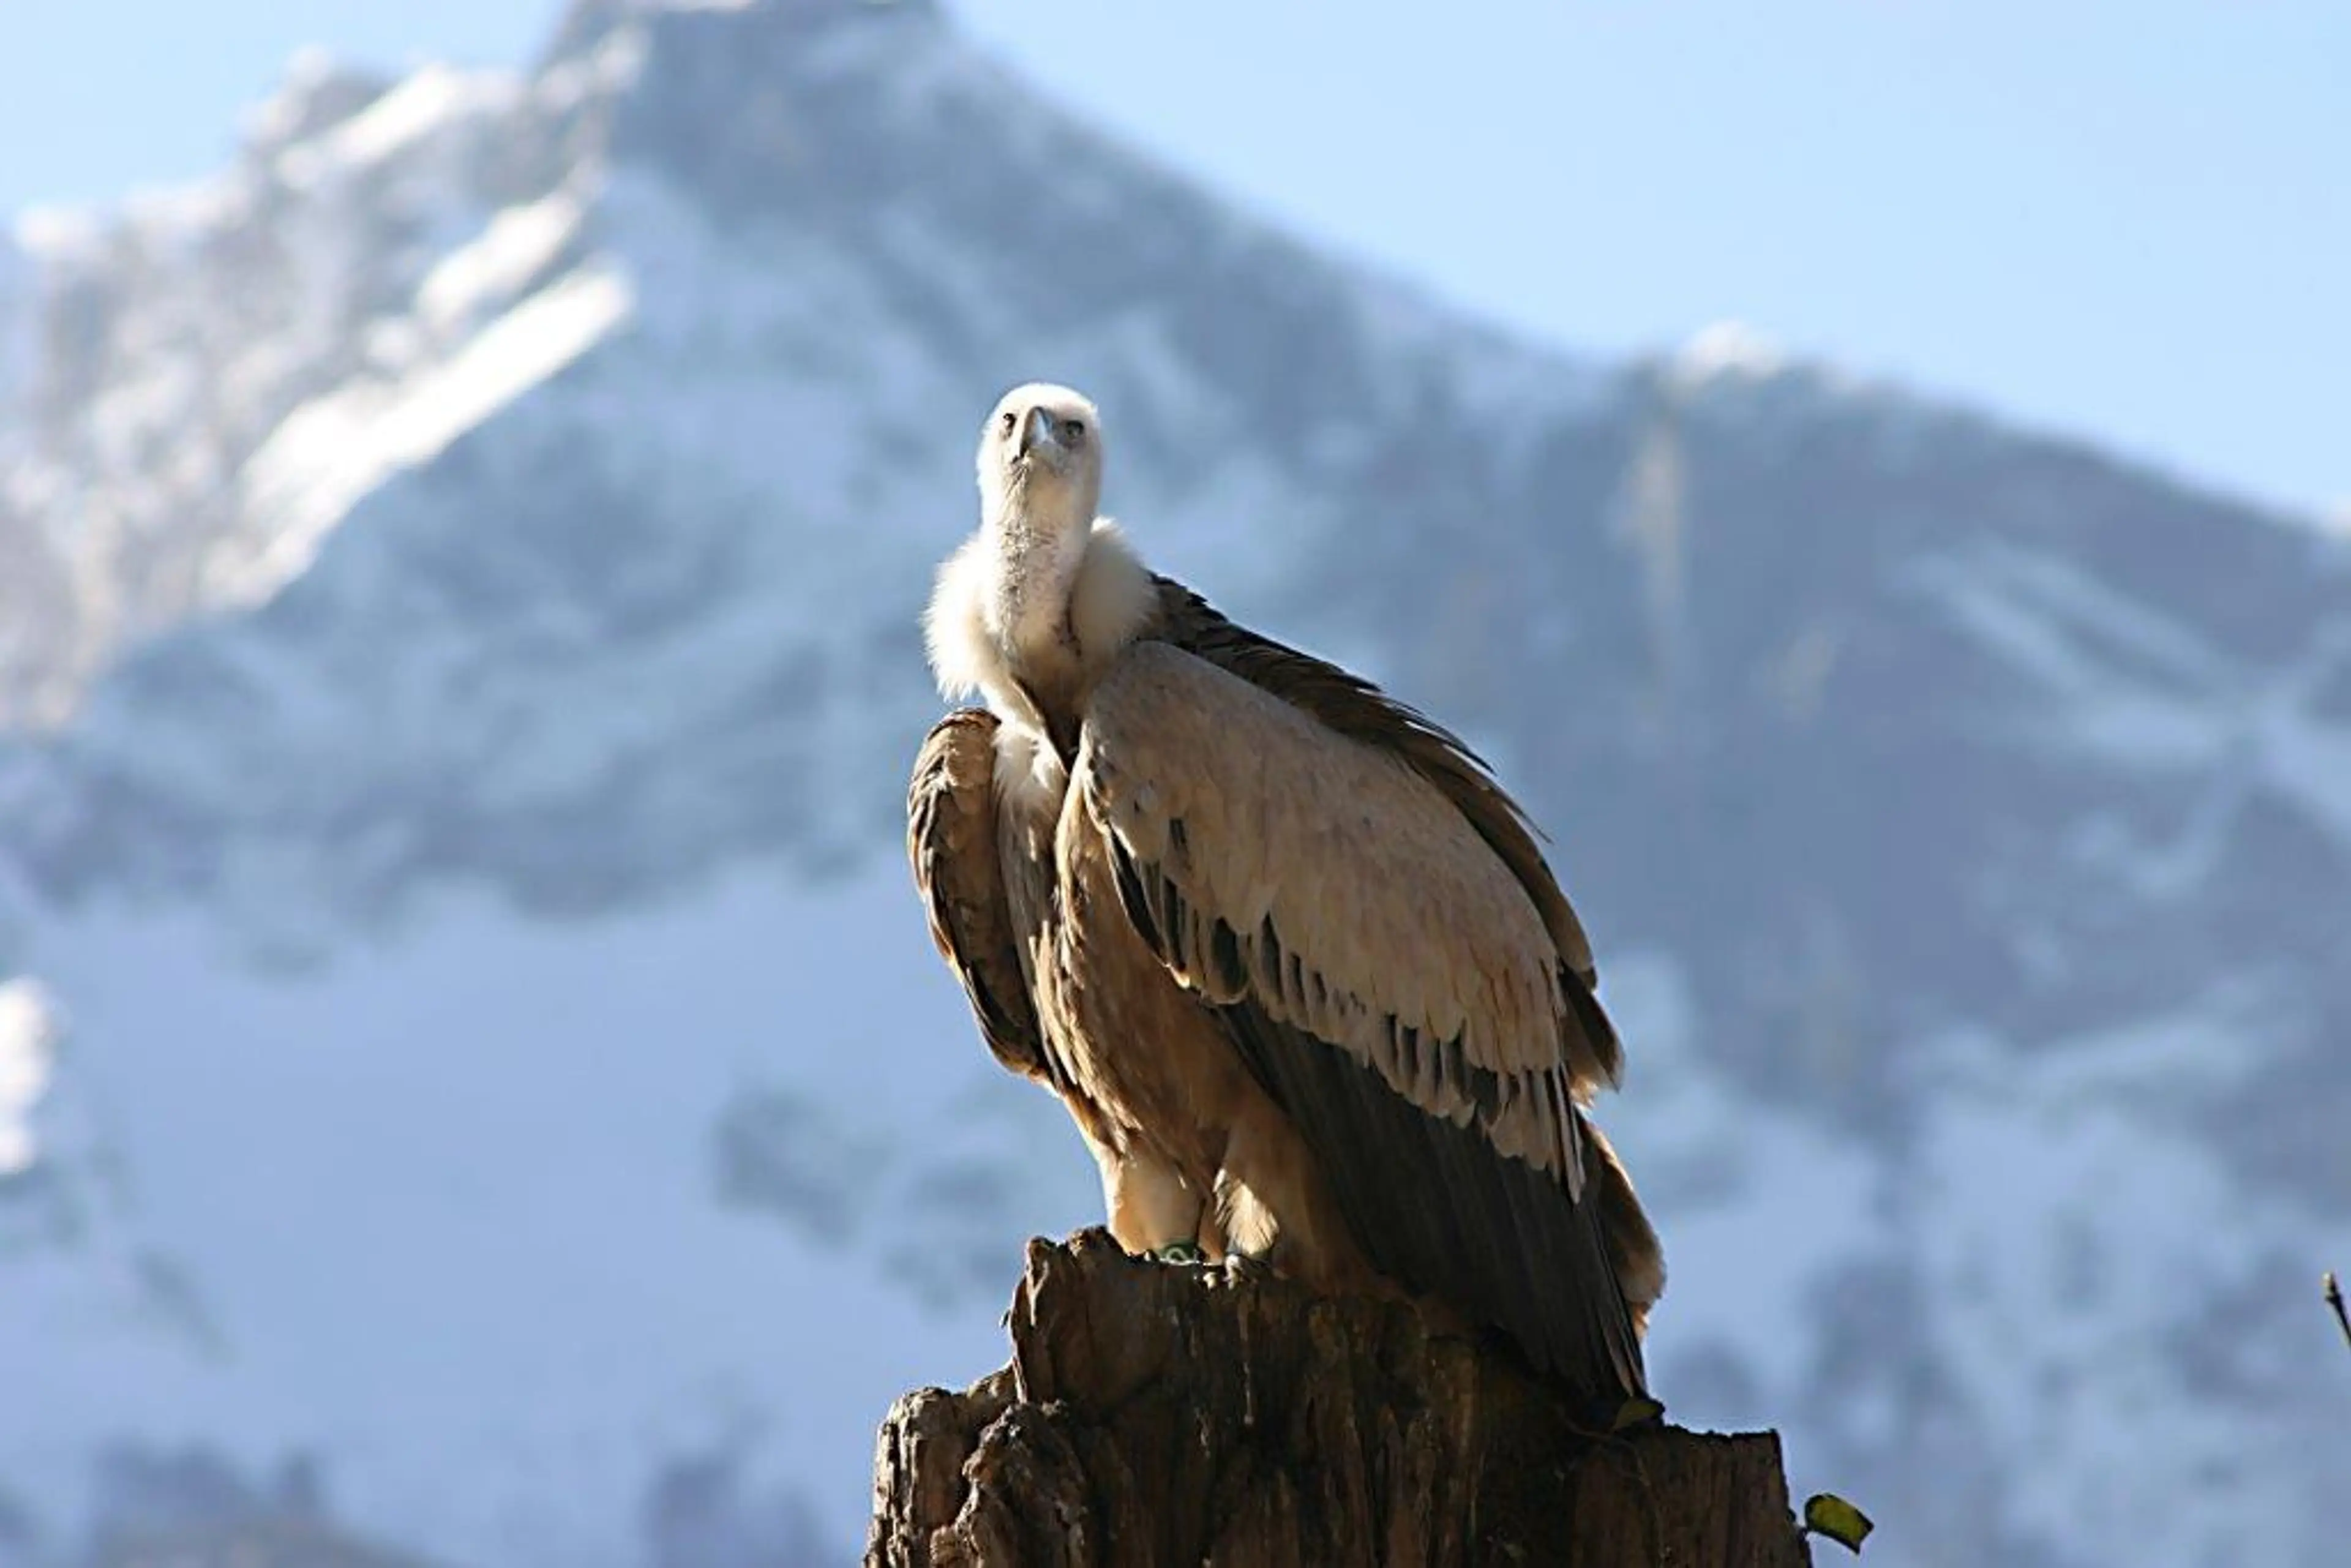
point(2131, 220)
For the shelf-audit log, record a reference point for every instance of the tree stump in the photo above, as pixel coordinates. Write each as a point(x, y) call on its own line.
point(1164, 1416)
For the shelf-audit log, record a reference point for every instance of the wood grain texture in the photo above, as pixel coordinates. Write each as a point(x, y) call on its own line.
point(1156, 1416)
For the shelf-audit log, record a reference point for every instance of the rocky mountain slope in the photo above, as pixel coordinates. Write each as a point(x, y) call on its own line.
point(466, 1040)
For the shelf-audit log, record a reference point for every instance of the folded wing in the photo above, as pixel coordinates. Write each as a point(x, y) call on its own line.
point(951, 840)
point(1387, 974)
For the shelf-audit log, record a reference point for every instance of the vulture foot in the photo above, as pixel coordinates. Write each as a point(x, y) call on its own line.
point(1246, 1268)
point(1186, 1252)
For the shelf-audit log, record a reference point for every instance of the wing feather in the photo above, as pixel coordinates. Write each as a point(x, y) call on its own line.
point(1260, 839)
point(1387, 976)
point(951, 828)
point(1350, 705)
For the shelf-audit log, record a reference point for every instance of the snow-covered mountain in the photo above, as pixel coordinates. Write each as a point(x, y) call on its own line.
point(473, 1079)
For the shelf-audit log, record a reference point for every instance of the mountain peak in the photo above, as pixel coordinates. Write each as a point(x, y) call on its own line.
point(318, 93)
point(1728, 349)
point(589, 22)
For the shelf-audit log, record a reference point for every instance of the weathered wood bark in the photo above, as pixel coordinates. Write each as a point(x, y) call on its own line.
point(1170, 1417)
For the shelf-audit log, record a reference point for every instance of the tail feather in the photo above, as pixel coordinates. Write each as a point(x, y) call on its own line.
point(1632, 1241)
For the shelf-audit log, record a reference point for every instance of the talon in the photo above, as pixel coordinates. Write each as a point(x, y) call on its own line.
point(1182, 1252)
point(1247, 1267)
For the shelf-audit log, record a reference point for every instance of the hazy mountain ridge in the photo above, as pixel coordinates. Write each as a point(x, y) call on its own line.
point(531, 664)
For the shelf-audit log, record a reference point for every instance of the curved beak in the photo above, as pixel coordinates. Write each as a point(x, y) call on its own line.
point(1036, 430)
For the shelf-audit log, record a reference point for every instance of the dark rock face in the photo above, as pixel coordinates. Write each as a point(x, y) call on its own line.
point(1155, 1414)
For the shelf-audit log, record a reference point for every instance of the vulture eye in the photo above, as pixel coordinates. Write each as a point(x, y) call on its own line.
point(1077, 430)
point(1007, 421)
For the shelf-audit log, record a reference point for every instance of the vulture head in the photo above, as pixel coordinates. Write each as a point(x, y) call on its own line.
point(1040, 461)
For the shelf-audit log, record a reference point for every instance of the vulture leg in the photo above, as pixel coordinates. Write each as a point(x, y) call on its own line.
point(1266, 1171)
point(1152, 1207)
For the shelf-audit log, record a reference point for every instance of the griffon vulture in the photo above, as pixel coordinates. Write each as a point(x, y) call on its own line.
point(1284, 947)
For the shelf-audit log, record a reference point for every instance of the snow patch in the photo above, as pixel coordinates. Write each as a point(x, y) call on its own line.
point(518, 246)
point(2140, 690)
point(2065, 1334)
point(1727, 349)
point(337, 448)
point(316, 91)
point(412, 110)
point(27, 1043)
point(57, 234)
point(439, 1196)
point(1755, 1209)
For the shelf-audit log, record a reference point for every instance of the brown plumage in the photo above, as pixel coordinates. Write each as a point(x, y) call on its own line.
point(1287, 950)
point(951, 841)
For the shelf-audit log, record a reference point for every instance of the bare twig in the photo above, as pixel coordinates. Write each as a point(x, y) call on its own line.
point(2333, 1288)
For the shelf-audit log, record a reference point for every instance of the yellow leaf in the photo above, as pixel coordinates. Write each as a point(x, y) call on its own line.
point(1826, 1513)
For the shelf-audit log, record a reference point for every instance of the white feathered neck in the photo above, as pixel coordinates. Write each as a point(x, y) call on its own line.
point(1110, 598)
